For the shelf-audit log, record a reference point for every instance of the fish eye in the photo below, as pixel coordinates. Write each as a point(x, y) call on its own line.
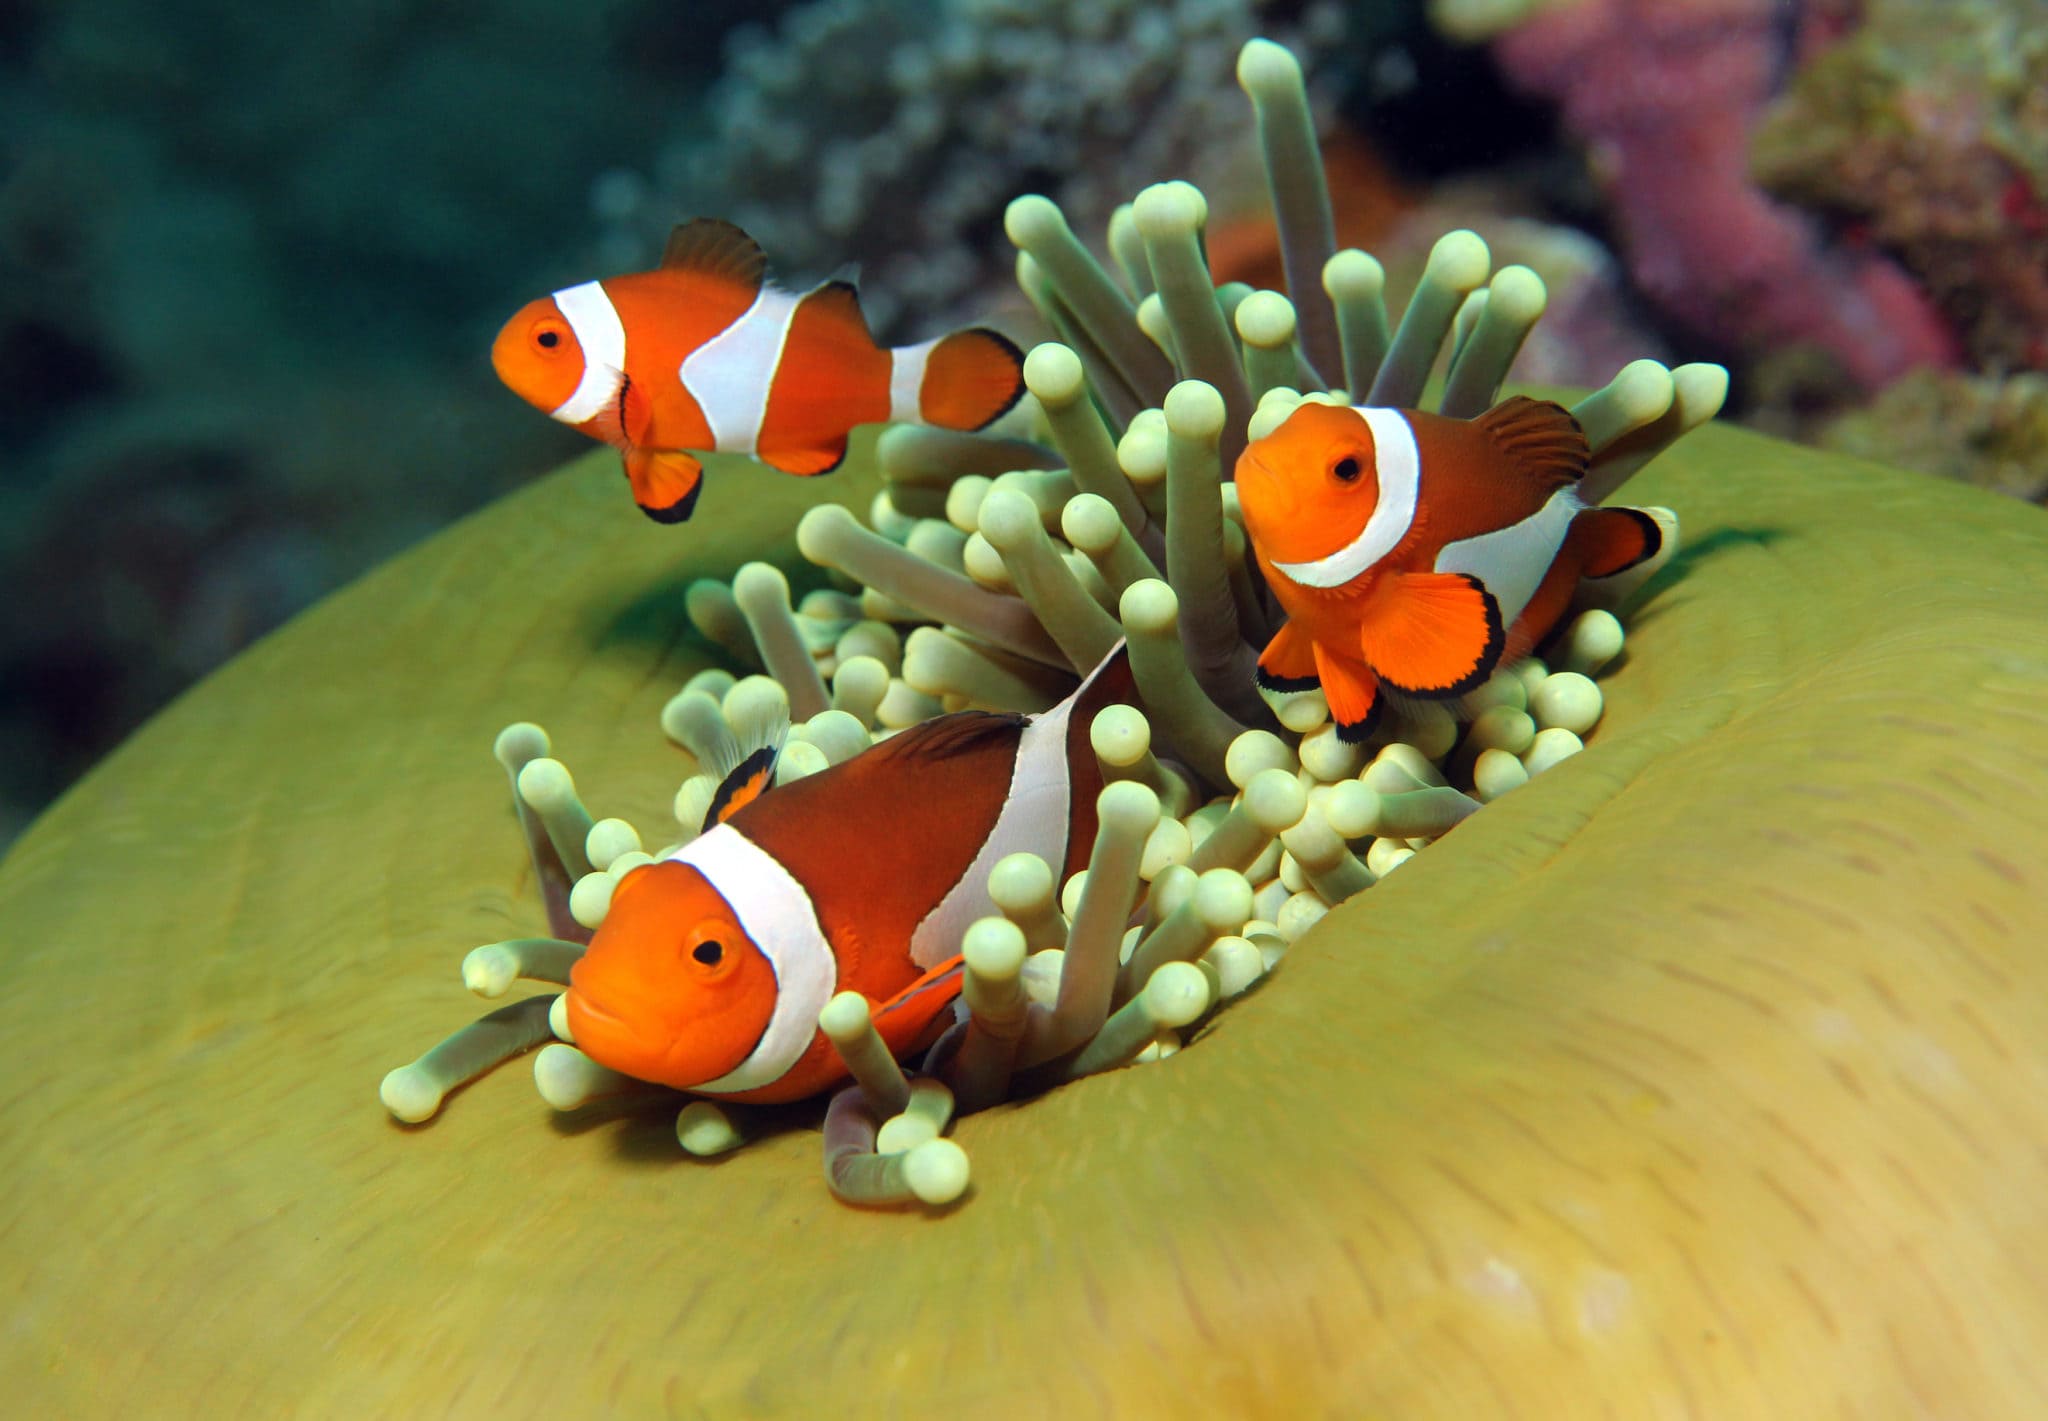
point(708, 952)
point(1345, 470)
point(547, 338)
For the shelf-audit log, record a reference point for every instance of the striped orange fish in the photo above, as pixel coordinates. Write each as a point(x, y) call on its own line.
point(711, 966)
point(1416, 552)
point(704, 353)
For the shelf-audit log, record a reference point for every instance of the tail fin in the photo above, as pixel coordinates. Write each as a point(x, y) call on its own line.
point(1617, 539)
point(971, 378)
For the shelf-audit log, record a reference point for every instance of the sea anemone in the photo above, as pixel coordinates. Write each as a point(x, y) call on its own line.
point(1702, 1073)
point(1025, 569)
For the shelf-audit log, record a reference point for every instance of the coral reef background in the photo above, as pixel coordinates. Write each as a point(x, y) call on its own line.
point(250, 259)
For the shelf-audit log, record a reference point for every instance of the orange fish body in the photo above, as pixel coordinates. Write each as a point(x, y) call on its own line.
point(1417, 553)
point(704, 353)
point(711, 966)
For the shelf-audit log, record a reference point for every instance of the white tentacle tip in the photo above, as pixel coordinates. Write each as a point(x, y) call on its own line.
point(845, 1018)
point(1054, 374)
point(410, 1094)
point(546, 785)
point(519, 743)
point(702, 1129)
point(489, 971)
point(1033, 219)
point(1459, 260)
point(936, 1171)
point(1264, 66)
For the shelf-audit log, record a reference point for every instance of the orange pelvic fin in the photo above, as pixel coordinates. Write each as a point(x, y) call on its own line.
point(1431, 633)
point(970, 378)
point(1543, 440)
point(664, 485)
point(717, 249)
point(1289, 661)
point(1615, 539)
point(1353, 693)
point(911, 1019)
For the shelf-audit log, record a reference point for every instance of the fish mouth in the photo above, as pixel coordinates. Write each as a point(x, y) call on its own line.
point(610, 1039)
point(1270, 497)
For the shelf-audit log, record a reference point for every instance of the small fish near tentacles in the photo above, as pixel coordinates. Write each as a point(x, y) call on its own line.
point(1415, 553)
point(711, 967)
point(705, 353)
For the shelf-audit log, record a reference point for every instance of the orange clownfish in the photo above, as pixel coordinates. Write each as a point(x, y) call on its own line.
point(1416, 552)
point(704, 353)
point(711, 966)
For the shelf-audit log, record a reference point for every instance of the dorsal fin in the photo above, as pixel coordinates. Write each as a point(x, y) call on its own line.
point(960, 733)
point(838, 297)
point(745, 770)
point(1542, 439)
point(714, 247)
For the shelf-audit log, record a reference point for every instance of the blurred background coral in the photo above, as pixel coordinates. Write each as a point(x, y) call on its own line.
point(251, 258)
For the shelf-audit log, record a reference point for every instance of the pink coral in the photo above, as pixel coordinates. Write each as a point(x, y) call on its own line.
point(1665, 93)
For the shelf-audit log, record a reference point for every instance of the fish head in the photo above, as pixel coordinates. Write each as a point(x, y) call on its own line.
point(538, 356)
point(1308, 488)
point(671, 989)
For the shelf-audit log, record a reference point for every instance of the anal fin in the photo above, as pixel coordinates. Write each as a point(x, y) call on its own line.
point(821, 458)
point(1435, 634)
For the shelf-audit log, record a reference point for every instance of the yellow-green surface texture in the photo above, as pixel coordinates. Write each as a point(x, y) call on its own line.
point(1707, 1075)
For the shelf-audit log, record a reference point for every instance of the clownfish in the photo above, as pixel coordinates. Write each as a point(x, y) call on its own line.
point(1416, 552)
point(705, 353)
point(711, 965)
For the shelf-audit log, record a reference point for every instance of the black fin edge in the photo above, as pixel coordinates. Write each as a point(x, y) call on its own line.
point(1283, 685)
point(1009, 348)
point(681, 509)
point(760, 762)
point(1357, 732)
point(1653, 544)
point(1489, 659)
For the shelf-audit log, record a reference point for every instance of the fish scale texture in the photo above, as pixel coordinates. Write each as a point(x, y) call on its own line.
point(1705, 1071)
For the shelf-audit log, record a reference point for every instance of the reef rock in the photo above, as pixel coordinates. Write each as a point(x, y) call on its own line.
point(1927, 129)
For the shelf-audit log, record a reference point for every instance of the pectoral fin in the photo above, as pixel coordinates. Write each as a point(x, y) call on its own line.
point(1432, 634)
point(664, 485)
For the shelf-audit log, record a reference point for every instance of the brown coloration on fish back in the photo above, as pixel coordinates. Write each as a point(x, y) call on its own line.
point(1481, 475)
point(878, 839)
